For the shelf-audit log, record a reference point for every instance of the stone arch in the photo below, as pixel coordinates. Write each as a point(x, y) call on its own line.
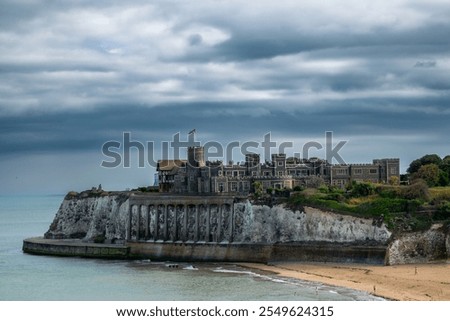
point(152, 215)
point(191, 222)
point(226, 222)
point(160, 222)
point(170, 222)
point(180, 218)
point(141, 222)
point(134, 222)
point(179, 222)
point(202, 222)
point(214, 210)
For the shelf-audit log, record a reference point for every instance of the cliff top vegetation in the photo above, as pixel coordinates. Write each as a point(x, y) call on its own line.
point(421, 200)
point(403, 208)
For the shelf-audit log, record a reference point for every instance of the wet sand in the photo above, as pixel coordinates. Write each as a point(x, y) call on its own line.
point(418, 282)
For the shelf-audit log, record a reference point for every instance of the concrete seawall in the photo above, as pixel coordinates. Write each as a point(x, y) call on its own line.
point(202, 252)
point(210, 252)
point(74, 247)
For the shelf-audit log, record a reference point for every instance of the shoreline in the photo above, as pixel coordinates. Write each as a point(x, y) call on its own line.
point(422, 282)
point(411, 282)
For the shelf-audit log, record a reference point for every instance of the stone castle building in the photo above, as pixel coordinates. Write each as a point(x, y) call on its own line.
point(195, 176)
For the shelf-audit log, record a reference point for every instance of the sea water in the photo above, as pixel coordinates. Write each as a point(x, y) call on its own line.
point(31, 277)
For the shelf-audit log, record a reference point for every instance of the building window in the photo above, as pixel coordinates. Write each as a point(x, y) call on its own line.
point(241, 173)
point(220, 173)
point(280, 173)
point(221, 187)
point(266, 174)
point(233, 186)
point(235, 173)
point(373, 171)
point(393, 171)
point(253, 173)
point(280, 163)
point(358, 171)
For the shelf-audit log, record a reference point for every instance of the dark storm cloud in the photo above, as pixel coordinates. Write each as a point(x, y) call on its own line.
point(69, 132)
point(425, 64)
point(75, 74)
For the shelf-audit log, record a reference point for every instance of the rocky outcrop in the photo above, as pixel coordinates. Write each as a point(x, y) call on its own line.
point(91, 217)
point(419, 247)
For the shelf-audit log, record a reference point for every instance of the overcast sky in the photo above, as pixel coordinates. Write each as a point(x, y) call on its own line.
point(76, 74)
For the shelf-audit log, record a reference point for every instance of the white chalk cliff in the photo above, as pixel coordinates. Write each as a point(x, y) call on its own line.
point(89, 217)
point(260, 223)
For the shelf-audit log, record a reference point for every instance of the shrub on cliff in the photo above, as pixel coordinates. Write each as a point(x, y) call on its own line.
point(71, 195)
point(388, 191)
point(443, 212)
point(418, 190)
point(383, 206)
point(362, 189)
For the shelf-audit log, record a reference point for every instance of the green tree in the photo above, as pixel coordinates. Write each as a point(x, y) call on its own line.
point(394, 180)
point(258, 186)
point(429, 173)
point(362, 189)
point(443, 178)
point(445, 168)
point(431, 159)
point(414, 166)
point(424, 160)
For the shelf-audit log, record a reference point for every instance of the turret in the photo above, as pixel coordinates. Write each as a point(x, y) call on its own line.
point(196, 156)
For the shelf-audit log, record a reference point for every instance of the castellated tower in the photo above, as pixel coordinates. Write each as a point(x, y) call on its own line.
point(196, 161)
point(196, 157)
point(252, 163)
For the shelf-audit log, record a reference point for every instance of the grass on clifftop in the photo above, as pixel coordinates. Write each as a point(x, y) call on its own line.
point(402, 208)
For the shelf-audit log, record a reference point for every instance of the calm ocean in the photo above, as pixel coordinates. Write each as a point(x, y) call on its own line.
point(29, 277)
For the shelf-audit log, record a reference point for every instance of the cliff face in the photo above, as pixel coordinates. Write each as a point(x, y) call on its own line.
point(106, 216)
point(419, 247)
point(89, 217)
point(256, 223)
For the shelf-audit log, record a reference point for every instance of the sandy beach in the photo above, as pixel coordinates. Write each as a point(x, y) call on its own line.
point(418, 282)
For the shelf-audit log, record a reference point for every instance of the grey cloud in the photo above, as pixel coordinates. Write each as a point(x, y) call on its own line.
point(76, 74)
point(88, 131)
point(425, 64)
